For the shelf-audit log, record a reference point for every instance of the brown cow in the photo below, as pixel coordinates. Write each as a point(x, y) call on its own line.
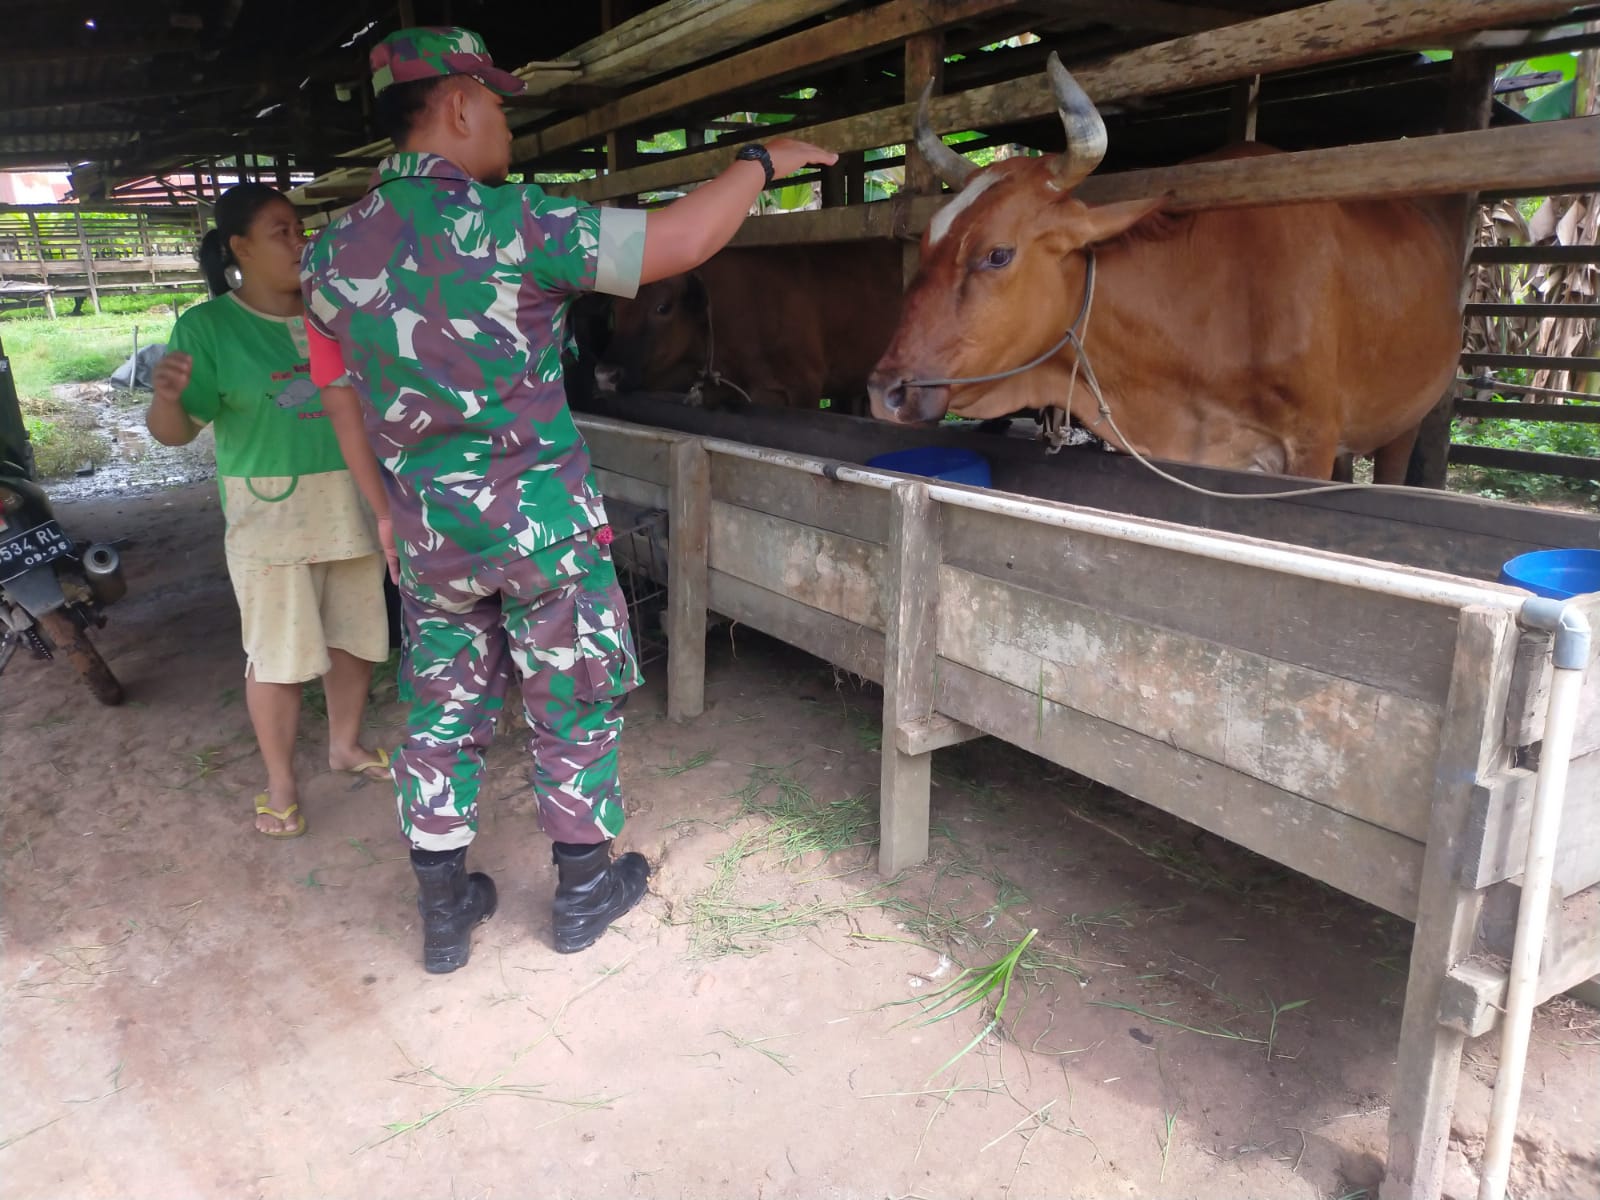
point(1268, 339)
point(787, 325)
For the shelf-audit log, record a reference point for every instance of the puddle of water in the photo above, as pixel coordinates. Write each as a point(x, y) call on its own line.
point(139, 464)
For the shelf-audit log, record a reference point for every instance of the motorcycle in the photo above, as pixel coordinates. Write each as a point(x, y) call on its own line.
point(52, 589)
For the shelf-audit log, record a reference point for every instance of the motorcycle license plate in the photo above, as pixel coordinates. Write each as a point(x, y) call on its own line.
point(39, 545)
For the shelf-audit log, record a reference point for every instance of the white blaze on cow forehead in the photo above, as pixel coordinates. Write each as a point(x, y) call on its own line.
point(945, 217)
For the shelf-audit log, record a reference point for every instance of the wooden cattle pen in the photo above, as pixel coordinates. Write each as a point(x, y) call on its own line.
point(1335, 681)
point(72, 252)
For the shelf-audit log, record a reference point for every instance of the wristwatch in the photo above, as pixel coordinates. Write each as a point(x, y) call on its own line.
point(756, 152)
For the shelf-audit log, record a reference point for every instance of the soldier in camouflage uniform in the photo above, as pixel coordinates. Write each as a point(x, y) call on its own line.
point(441, 299)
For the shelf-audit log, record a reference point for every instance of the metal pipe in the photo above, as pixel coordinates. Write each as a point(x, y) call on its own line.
point(1569, 656)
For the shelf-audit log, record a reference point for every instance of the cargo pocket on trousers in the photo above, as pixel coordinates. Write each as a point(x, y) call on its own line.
point(606, 666)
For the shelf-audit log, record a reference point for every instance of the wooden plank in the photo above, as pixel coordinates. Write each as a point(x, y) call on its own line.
point(627, 453)
point(848, 508)
point(1570, 466)
point(848, 646)
point(1499, 837)
point(44, 271)
point(1314, 34)
point(1508, 410)
point(88, 260)
point(1345, 852)
point(1393, 645)
point(924, 66)
point(1534, 362)
point(828, 571)
point(855, 34)
point(1447, 912)
point(672, 35)
point(1444, 164)
point(1587, 312)
point(1358, 750)
point(630, 490)
point(1536, 254)
point(1586, 736)
point(689, 526)
point(911, 586)
point(925, 734)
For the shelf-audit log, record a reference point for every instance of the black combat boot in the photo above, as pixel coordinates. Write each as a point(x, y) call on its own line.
point(451, 903)
point(593, 891)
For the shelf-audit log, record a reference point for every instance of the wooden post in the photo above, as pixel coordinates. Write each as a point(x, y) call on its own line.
point(1429, 1061)
point(145, 245)
point(924, 60)
point(689, 533)
point(44, 269)
point(88, 265)
point(911, 589)
point(1246, 108)
point(1470, 104)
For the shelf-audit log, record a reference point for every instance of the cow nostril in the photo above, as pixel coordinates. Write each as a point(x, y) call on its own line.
point(894, 396)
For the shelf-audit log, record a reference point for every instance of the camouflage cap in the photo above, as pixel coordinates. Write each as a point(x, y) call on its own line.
point(433, 52)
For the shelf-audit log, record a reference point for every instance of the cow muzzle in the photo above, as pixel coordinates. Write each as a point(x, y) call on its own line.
point(895, 398)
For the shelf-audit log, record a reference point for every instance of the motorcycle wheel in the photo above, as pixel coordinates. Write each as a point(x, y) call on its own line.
point(72, 642)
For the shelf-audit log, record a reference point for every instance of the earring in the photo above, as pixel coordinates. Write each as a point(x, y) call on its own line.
point(233, 277)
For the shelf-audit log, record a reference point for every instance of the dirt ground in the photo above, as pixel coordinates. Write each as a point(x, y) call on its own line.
point(193, 1010)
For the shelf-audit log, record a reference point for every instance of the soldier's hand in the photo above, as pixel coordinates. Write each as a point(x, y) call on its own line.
point(790, 155)
point(391, 557)
point(171, 376)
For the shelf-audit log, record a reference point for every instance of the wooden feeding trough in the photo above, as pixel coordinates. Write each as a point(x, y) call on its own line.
point(1340, 688)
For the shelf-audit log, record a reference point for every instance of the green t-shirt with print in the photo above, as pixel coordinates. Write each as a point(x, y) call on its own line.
point(251, 380)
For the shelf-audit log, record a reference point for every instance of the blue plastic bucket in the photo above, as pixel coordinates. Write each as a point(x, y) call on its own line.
point(1558, 574)
point(937, 462)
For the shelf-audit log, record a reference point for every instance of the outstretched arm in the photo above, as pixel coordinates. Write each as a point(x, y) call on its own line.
point(688, 231)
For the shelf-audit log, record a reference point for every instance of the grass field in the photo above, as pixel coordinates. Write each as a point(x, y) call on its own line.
point(83, 349)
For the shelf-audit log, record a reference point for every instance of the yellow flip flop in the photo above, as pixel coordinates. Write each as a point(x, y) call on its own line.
point(380, 763)
point(264, 809)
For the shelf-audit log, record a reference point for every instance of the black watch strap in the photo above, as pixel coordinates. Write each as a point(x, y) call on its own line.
point(756, 152)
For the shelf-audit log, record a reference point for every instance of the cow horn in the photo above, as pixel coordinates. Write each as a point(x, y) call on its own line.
point(951, 167)
point(1086, 132)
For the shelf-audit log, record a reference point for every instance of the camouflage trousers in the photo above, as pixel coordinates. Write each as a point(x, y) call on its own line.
point(554, 625)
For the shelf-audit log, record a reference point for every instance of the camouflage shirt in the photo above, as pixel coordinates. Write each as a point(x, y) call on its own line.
point(448, 299)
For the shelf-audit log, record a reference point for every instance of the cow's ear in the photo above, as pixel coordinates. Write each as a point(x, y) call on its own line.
point(694, 294)
point(1109, 221)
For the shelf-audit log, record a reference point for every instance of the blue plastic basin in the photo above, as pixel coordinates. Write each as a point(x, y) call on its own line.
point(937, 462)
point(1558, 574)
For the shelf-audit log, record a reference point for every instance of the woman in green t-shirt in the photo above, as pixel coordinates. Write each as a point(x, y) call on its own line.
point(301, 545)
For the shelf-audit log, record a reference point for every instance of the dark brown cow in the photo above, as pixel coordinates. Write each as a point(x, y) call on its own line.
point(787, 325)
point(1269, 338)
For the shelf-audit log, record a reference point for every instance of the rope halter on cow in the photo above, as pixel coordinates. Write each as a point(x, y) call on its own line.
point(1055, 418)
point(696, 396)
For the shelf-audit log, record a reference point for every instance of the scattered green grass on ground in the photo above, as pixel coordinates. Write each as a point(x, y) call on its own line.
point(785, 824)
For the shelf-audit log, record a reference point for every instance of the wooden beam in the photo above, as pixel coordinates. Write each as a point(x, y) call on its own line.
point(1533, 155)
point(856, 34)
point(688, 532)
point(677, 33)
point(1320, 33)
point(1568, 466)
point(1160, 16)
point(33, 55)
point(910, 648)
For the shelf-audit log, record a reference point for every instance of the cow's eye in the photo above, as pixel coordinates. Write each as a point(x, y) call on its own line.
point(663, 308)
point(1000, 256)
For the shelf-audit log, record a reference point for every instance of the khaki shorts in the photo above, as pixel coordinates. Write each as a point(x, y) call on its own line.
point(293, 614)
